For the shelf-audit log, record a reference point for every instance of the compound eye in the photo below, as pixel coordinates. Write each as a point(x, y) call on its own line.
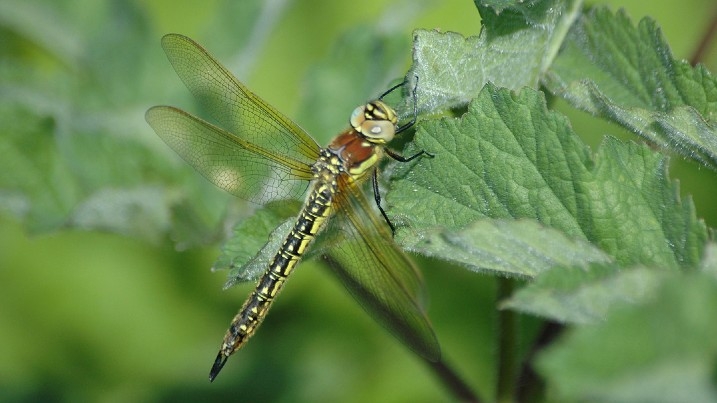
point(358, 118)
point(378, 130)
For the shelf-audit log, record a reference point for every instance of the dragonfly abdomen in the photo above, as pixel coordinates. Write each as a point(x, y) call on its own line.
point(316, 211)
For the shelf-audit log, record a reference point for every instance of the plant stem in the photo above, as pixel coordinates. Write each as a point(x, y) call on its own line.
point(529, 383)
point(507, 345)
point(699, 53)
point(450, 379)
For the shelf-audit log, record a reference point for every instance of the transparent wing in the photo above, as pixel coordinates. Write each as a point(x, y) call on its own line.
point(378, 274)
point(237, 166)
point(237, 109)
point(258, 154)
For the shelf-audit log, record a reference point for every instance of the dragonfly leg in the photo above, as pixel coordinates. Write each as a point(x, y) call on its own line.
point(400, 158)
point(377, 197)
point(415, 109)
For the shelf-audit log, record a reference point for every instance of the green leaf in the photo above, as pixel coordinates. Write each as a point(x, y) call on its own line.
point(584, 294)
point(40, 183)
point(453, 69)
point(628, 75)
point(663, 350)
point(498, 6)
point(136, 212)
point(74, 137)
point(519, 248)
point(40, 26)
point(509, 157)
point(709, 263)
point(247, 253)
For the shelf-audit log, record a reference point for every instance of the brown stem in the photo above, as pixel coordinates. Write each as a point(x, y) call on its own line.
point(529, 383)
point(450, 379)
point(704, 45)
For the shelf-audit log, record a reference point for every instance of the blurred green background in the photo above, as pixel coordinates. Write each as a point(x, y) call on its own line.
point(97, 316)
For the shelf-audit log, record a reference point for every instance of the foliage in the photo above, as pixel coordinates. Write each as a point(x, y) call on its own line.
point(600, 240)
point(509, 157)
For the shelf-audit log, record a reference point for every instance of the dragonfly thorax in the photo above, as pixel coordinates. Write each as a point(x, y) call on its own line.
point(375, 121)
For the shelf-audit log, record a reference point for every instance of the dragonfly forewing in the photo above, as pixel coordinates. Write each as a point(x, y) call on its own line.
point(233, 106)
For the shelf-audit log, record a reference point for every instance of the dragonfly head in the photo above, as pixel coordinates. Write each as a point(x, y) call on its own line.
point(376, 122)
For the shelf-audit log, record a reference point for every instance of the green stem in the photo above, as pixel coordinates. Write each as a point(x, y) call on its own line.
point(507, 345)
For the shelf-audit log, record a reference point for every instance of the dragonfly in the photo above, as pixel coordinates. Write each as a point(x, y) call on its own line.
point(257, 154)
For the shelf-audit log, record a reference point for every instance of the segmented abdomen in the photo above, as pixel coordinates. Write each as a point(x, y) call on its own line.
point(310, 220)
